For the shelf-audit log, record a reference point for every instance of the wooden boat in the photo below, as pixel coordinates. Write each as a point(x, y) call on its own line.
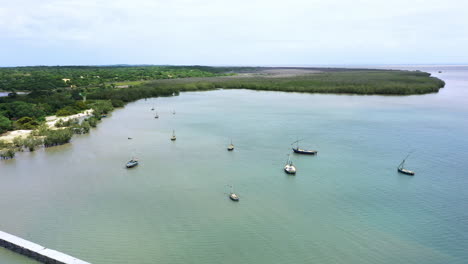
point(289, 168)
point(232, 195)
point(230, 147)
point(302, 151)
point(132, 163)
point(401, 168)
point(173, 135)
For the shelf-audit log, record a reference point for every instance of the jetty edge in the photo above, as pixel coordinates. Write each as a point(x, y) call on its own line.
point(35, 251)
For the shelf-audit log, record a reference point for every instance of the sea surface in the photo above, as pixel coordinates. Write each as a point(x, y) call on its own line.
point(346, 205)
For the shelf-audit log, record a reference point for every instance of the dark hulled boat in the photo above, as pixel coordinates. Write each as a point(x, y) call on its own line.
point(401, 168)
point(303, 151)
point(298, 150)
point(405, 171)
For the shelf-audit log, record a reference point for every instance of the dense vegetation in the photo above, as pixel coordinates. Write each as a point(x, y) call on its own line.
point(353, 82)
point(98, 88)
point(41, 78)
point(63, 91)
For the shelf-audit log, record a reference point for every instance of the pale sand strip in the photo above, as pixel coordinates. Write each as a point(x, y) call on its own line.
point(50, 122)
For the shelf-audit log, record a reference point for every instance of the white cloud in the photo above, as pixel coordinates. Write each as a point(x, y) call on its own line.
point(239, 32)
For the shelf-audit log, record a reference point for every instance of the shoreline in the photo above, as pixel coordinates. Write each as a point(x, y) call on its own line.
point(9, 136)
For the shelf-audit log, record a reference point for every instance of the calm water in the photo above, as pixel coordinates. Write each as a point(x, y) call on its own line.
point(346, 205)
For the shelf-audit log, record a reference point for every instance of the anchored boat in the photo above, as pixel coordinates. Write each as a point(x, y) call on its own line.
point(289, 168)
point(401, 168)
point(132, 163)
point(230, 147)
point(173, 135)
point(302, 151)
point(232, 195)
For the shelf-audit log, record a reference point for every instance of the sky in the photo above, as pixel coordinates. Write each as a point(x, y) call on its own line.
point(240, 32)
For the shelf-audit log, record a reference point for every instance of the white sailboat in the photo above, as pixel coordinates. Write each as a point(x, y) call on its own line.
point(232, 195)
point(289, 168)
point(230, 147)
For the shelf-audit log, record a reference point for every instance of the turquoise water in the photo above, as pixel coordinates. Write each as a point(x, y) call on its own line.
point(348, 204)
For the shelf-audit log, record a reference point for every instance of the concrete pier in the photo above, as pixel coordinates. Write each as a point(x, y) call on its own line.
point(35, 251)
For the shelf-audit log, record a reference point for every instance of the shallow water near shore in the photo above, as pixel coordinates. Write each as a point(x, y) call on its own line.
point(348, 204)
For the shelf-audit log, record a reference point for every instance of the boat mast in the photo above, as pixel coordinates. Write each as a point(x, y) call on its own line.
point(297, 143)
point(403, 162)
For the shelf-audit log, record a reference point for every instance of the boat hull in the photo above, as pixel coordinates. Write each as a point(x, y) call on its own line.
point(407, 172)
point(131, 165)
point(289, 170)
point(234, 198)
point(307, 152)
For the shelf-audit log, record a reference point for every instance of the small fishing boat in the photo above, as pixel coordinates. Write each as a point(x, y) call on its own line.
point(129, 138)
point(156, 116)
point(440, 71)
point(232, 195)
point(289, 168)
point(103, 115)
point(173, 112)
point(173, 135)
point(152, 108)
point(401, 168)
point(302, 151)
point(132, 163)
point(230, 147)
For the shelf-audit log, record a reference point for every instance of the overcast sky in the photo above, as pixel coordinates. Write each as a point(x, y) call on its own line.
point(235, 32)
